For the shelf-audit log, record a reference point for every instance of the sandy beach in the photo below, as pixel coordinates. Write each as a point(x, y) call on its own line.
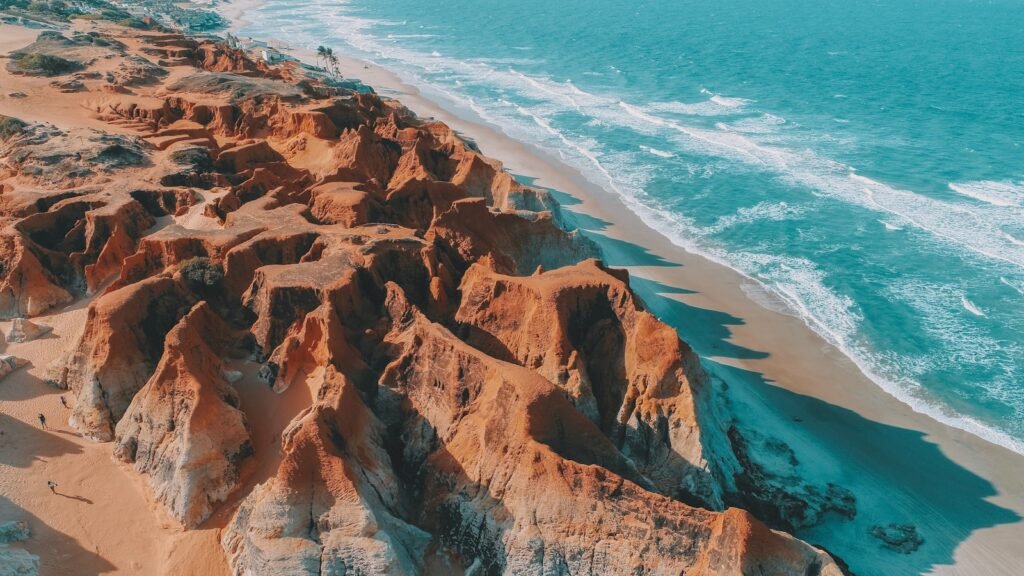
point(965, 495)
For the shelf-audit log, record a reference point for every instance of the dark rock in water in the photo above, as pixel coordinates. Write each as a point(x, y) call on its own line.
point(902, 538)
point(14, 531)
point(16, 560)
point(769, 483)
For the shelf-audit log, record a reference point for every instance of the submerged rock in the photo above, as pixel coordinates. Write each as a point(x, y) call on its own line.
point(902, 538)
point(15, 561)
point(14, 531)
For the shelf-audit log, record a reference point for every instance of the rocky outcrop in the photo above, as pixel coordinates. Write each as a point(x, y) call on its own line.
point(330, 507)
point(509, 242)
point(486, 396)
point(9, 364)
point(184, 428)
point(509, 478)
point(135, 71)
point(27, 288)
point(48, 157)
point(345, 203)
point(582, 329)
point(121, 343)
point(23, 330)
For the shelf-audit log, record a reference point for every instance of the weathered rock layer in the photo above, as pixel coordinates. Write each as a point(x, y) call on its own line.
point(485, 394)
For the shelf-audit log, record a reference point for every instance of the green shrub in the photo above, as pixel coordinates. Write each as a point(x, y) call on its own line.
point(201, 273)
point(44, 64)
point(10, 126)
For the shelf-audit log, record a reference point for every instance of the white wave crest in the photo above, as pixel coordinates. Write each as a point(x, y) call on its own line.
point(729, 102)
point(656, 152)
point(971, 307)
point(794, 281)
point(994, 193)
point(1016, 286)
point(773, 211)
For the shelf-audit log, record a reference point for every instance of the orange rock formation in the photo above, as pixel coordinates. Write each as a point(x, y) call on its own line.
point(485, 395)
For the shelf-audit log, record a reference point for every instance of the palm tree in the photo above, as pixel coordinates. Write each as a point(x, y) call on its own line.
point(332, 62)
point(321, 52)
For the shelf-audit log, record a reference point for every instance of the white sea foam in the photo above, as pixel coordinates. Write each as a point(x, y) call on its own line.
point(994, 193)
point(709, 107)
point(1013, 239)
point(763, 211)
point(1017, 286)
point(796, 282)
point(657, 152)
point(971, 306)
point(729, 102)
point(890, 226)
point(763, 124)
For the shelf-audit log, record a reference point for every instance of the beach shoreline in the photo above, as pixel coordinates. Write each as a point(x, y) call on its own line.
point(785, 384)
point(771, 359)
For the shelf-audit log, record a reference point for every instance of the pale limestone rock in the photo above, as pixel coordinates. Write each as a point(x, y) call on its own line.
point(23, 330)
point(9, 364)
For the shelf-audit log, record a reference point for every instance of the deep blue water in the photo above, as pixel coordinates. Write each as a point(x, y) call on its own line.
point(863, 160)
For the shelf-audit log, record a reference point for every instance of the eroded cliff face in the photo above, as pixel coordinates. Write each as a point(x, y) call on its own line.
point(184, 428)
point(485, 395)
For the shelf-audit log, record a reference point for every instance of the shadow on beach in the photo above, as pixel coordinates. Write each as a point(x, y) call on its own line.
point(51, 544)
point(897, 475)
point(23, 444)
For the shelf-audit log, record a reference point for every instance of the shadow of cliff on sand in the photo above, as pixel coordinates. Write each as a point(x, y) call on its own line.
point(23, 385)
point(22, 444)
point(897, 474)
point(615, 252)
point(54, 548)
point(707, 331)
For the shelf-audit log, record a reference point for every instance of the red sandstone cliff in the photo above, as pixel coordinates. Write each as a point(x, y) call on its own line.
point(486, 396)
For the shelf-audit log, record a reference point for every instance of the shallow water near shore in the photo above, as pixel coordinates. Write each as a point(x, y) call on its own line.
point(862, 162)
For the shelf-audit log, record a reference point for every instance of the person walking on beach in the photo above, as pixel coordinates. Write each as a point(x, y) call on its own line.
point(52, 486)
point(64, 402)
point(42, 421)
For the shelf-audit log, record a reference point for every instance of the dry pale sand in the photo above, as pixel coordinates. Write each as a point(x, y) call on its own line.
point(102, 519)
point(965, 494)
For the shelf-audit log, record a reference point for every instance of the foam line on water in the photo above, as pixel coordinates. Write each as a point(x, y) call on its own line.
point(657, 152)
point(994, 193)
point(794, 282)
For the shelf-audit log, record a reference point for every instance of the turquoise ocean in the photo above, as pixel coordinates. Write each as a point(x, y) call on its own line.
point(864, 161)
